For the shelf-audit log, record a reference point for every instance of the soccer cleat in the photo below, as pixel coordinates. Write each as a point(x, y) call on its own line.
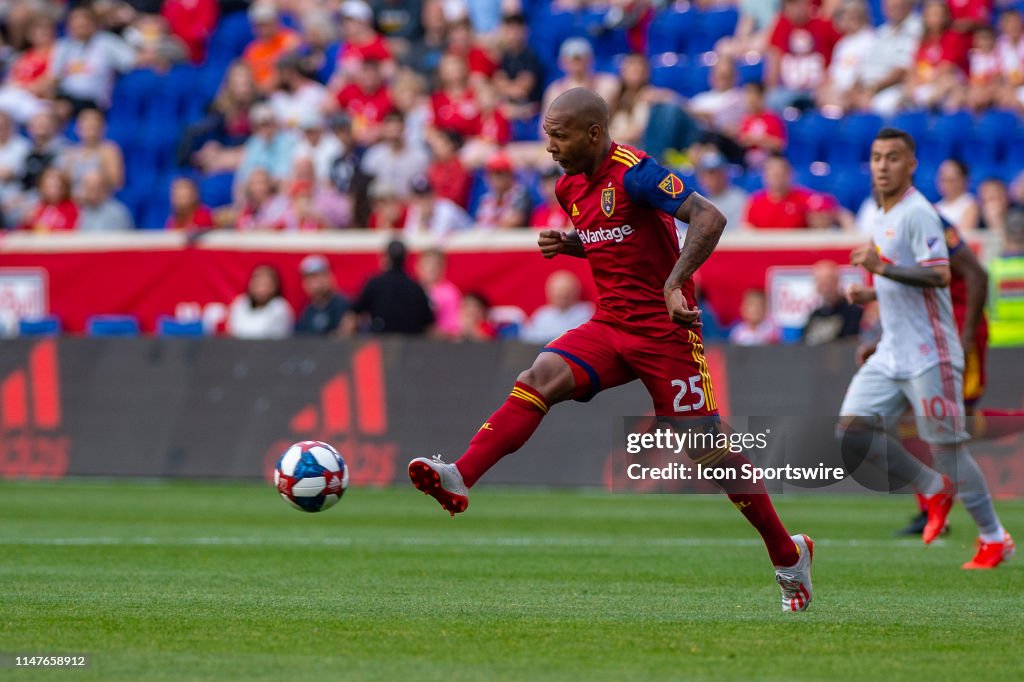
point(915, 526)
point(939, 505)
point(442, 481)
point(991, 554)
point(795, 581)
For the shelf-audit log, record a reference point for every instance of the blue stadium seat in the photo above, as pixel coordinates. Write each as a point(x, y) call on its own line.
point(751, 182)
point(669, 31)
point(850, 186)
point(112, 325)
point(710, 26)
point(47, 325)
point(215, 190)
point(913, 122)
point(987, 139)
point(808, 136)
point(982, 171)
point(526, 130)
point(607, 43)
point(853, 144)
point(547, 32)
point(667, 72)
point(945, 137)
point(169, 326)
point(229, 39)
point(750, 73)
point(924, 180)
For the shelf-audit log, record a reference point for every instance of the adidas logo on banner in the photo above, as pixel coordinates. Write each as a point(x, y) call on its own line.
point(30, 416)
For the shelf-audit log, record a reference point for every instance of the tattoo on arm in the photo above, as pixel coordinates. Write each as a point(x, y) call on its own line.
point(917, 275)
point(706, 225)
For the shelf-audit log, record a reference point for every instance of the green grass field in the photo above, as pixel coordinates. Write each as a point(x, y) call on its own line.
point(175, 581)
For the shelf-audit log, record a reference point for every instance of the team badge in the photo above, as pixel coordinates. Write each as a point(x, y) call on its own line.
point(575, 211)
point(672, 185)
point(608, 201)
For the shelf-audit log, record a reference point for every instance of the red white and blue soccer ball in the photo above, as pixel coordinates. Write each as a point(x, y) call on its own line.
point(311, 476)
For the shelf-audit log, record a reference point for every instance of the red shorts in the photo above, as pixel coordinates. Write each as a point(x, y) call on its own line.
point(672, 368)
point(974, 367)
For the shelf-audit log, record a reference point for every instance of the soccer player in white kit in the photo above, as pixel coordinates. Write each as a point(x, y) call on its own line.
point(919, 361)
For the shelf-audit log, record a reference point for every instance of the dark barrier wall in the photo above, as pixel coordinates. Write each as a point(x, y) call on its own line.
point(215, 408)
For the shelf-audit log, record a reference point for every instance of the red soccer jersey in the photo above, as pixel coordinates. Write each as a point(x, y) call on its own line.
point(787, 212)
point(366, 108)
point(957, 285)
point(624, 217)
point(805, 51)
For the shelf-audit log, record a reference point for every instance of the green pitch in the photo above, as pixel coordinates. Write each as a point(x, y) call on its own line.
point(186, 581)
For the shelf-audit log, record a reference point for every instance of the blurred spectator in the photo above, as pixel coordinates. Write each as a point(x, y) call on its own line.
point(393, 302)
point(969, 15)
point(188, 214)
point(387, 208)
point(835, 318)
point(994, 202)
point(563, 311)
point(506, 204)
point(447, 175)
point(722, 107)
point(85, 62)
point(192, 21)
point(985, 84)
point(825, 213)
point(47, 146)
point(851, 52)
point(272, 41)
point(18, 19)
point(313, 205)
point(631, 111)
point(550, 215)
point(98, 211)
point(757, 18)
point(410, 98)
point(454, 102)
point(762, 132)
point(262, 207)
point(14, 149)
point(399, 20)
point(941, 60)
point(799, 51)
point(320, 46)
point(444, 296)
point(261, 312)
point(754, 327)
point(359, 41)
point(425, 53)
point(716, 186)
point(495, 130)
point(473, 323)
point(27, 86)
point(93, 152)
point(779, 205)
point(957, 205)
point(55, 210)
point(576, 59)
point(462, 43)
point(316, 144)
point(215, 143)
point(268, 148)
point(433, 215)
point(345, 174)
point(485, 15)
point(880, 76)
point(155, 48)
point(393, 159)
point(366, 100)
point(295, 93)
point(520, 75)
point(1011, 52)
point(327, 308)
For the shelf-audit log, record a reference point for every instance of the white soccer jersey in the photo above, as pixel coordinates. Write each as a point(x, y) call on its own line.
point(918, 329)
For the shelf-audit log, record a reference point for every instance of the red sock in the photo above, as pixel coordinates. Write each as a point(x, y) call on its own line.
point(756, 505)
point(993, 424)
point(504, 433)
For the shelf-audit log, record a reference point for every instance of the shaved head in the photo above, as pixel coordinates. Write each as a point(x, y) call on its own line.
point(576, 124)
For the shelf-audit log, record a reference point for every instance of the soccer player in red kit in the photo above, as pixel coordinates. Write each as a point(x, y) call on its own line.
point(622, 204)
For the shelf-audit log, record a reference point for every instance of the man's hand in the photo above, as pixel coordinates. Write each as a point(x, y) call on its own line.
point(865, 351)
point(679, 310)
point(867, 257)
point(859, 294)
point(551, 243)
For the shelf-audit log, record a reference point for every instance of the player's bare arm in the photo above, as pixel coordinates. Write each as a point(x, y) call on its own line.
point(555, 242)
point(924, 276)
point(860, 294)
point(965, 264)
point(706, 223)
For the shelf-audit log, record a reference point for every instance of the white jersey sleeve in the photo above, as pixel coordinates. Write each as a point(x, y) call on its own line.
point(926, 237)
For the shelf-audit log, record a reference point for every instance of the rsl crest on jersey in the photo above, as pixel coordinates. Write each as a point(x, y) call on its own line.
point(672, 185)
point(608, 201)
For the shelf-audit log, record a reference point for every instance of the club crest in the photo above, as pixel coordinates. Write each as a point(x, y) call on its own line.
point(672, 185)
point(608, 201)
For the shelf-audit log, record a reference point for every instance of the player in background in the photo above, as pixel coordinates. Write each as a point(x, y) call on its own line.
point(647, 326)
point(968, 289)
point(919, 362)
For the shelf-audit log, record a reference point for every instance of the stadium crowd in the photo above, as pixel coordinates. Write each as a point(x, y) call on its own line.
point(422, 116)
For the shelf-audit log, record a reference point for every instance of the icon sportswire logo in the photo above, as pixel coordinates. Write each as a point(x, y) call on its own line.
point(350, 414)
point(30, 418)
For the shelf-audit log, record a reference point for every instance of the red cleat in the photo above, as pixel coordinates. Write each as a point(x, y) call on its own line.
point(939, 505)
point(991, 554)
point(441, 481)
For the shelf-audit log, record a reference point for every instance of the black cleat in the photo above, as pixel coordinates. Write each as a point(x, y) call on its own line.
point(917, 524)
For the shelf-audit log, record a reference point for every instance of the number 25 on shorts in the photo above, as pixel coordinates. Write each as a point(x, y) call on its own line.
point(689, 391)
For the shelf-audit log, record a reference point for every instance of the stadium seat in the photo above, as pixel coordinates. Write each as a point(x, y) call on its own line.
point(669, 31)
point(987, 138)
point(945, 136)
point(751, 73)
point(850, 186)
point(526, 130)
point(547, 32)
point(231, 36)
point(710, 26)
point(47, 325)
point(915, 123)
point(215, 190)
point(668, 72)
point(169, 326)
point(853, 144)
point(112, 325)
point(808, 136)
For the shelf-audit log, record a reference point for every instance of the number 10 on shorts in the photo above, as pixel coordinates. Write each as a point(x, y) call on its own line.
point(690, 396)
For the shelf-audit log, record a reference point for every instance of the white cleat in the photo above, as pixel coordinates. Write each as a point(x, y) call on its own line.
point(442, 481)
point(795, 580)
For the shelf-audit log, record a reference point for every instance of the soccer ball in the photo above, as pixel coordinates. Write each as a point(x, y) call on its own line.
point(311, 476)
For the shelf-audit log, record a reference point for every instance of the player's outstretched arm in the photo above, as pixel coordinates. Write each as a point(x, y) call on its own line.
point(706, 223)
point(924, 276)
point(554, 242)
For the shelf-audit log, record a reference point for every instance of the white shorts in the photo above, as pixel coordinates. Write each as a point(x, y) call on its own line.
point(935, 396)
